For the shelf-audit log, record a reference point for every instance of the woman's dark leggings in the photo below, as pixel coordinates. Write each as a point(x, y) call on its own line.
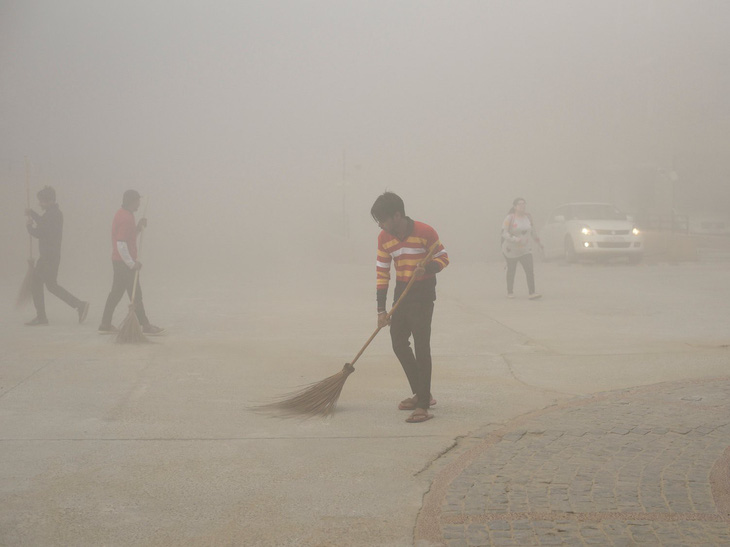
point(526, 261)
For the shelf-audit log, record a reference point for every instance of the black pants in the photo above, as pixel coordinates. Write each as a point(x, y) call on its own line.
point(45, 273)
point(123, 282)
point(526, 261)
point(414, 318)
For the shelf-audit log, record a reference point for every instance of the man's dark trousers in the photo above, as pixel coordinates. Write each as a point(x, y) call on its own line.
point(46, 273)
point(414, 317)
point(123, 282)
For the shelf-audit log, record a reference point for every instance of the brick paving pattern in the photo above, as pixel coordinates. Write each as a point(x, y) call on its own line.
point(623, 468)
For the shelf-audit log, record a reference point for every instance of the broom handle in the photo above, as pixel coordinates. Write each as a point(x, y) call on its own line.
point(139, 249)
point(27, 201)
point(134, 289)
point(400, 299)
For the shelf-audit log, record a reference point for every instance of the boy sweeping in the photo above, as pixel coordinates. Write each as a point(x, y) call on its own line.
point(406, 243)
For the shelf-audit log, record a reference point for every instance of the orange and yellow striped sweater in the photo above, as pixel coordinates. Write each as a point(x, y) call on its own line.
point(406, 253)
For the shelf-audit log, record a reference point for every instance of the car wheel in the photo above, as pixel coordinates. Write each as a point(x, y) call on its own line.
point(569, 250)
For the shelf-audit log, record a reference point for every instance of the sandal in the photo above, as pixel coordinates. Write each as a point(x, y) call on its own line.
point(419, 415)
point(410, 403)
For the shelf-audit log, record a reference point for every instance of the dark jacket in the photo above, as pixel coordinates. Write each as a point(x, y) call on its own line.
point(48, 230)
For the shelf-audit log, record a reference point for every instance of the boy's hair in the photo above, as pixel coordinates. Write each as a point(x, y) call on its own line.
point(129, 197)
point(386, 206)
point(47, 193)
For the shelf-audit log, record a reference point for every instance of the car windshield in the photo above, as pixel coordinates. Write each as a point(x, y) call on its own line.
point(596, 211)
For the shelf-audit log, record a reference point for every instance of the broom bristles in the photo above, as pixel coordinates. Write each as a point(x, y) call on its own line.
point(26, 288)
point(317, 399)
point(130, 332)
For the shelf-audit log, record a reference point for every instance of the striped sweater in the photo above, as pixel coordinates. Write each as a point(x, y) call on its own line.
point(406, 254)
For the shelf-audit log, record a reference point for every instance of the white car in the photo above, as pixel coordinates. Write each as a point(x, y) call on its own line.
point(597, 230)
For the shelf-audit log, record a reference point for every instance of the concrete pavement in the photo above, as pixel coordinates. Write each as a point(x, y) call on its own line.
point(154, 445)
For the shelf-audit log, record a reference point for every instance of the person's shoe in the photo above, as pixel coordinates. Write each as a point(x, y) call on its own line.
point(534, 296)
point(83, 310)
point(151, 330)
point(37, 321)
point(419, 415)
point(410, 403)
point(510, 295)
point(108, 329)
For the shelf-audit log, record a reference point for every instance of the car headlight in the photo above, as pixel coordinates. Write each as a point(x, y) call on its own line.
point(635, 231)
point(586, 231)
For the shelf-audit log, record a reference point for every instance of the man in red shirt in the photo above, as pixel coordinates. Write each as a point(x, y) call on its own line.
point(406, 243)
point(126, 265)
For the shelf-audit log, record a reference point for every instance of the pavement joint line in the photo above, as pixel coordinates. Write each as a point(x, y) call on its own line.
point(24, 380)
point(584, 517)
point(213, 439)
point(480, 314)
point(557, 353)
point(521, 381)
point(720, 483)
point(441, 454)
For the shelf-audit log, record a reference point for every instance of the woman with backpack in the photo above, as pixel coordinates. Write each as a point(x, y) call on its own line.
point(518, 233)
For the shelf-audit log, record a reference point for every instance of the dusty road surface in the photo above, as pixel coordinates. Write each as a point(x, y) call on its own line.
point(103, 444)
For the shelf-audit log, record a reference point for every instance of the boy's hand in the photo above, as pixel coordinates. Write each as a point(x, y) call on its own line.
point(383, 320)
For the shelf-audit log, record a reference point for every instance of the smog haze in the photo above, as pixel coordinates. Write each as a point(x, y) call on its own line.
point(262, 132)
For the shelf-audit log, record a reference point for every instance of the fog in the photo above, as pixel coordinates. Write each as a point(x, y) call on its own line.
point(261, 132)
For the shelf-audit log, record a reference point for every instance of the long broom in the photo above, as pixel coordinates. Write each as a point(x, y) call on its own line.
point(130, 331)
point(320, 398)
point(26, 288)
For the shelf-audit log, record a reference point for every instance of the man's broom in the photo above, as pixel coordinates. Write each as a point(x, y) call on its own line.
point(26, 288)
point(130, 331)
point(320, 398)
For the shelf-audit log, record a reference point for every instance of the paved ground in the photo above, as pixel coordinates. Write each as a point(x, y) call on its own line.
point(639, 466)
point(155, 445)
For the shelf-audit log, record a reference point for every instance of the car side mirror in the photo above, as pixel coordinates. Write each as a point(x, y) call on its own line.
point(559, 218)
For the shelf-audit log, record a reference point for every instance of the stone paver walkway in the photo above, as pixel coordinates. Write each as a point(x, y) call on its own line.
point(641, 466)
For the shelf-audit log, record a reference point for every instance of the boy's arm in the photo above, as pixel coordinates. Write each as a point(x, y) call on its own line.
point(123, 250)
point(37, 229)
point(382, 270)
point(440, 257)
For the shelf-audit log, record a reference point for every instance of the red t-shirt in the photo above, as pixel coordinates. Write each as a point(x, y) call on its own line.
point(124, 228)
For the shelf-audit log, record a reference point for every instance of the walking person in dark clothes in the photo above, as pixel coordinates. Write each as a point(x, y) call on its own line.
point(126, 265)
point(48, 228)
point(518, 233)
point(406, 243)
